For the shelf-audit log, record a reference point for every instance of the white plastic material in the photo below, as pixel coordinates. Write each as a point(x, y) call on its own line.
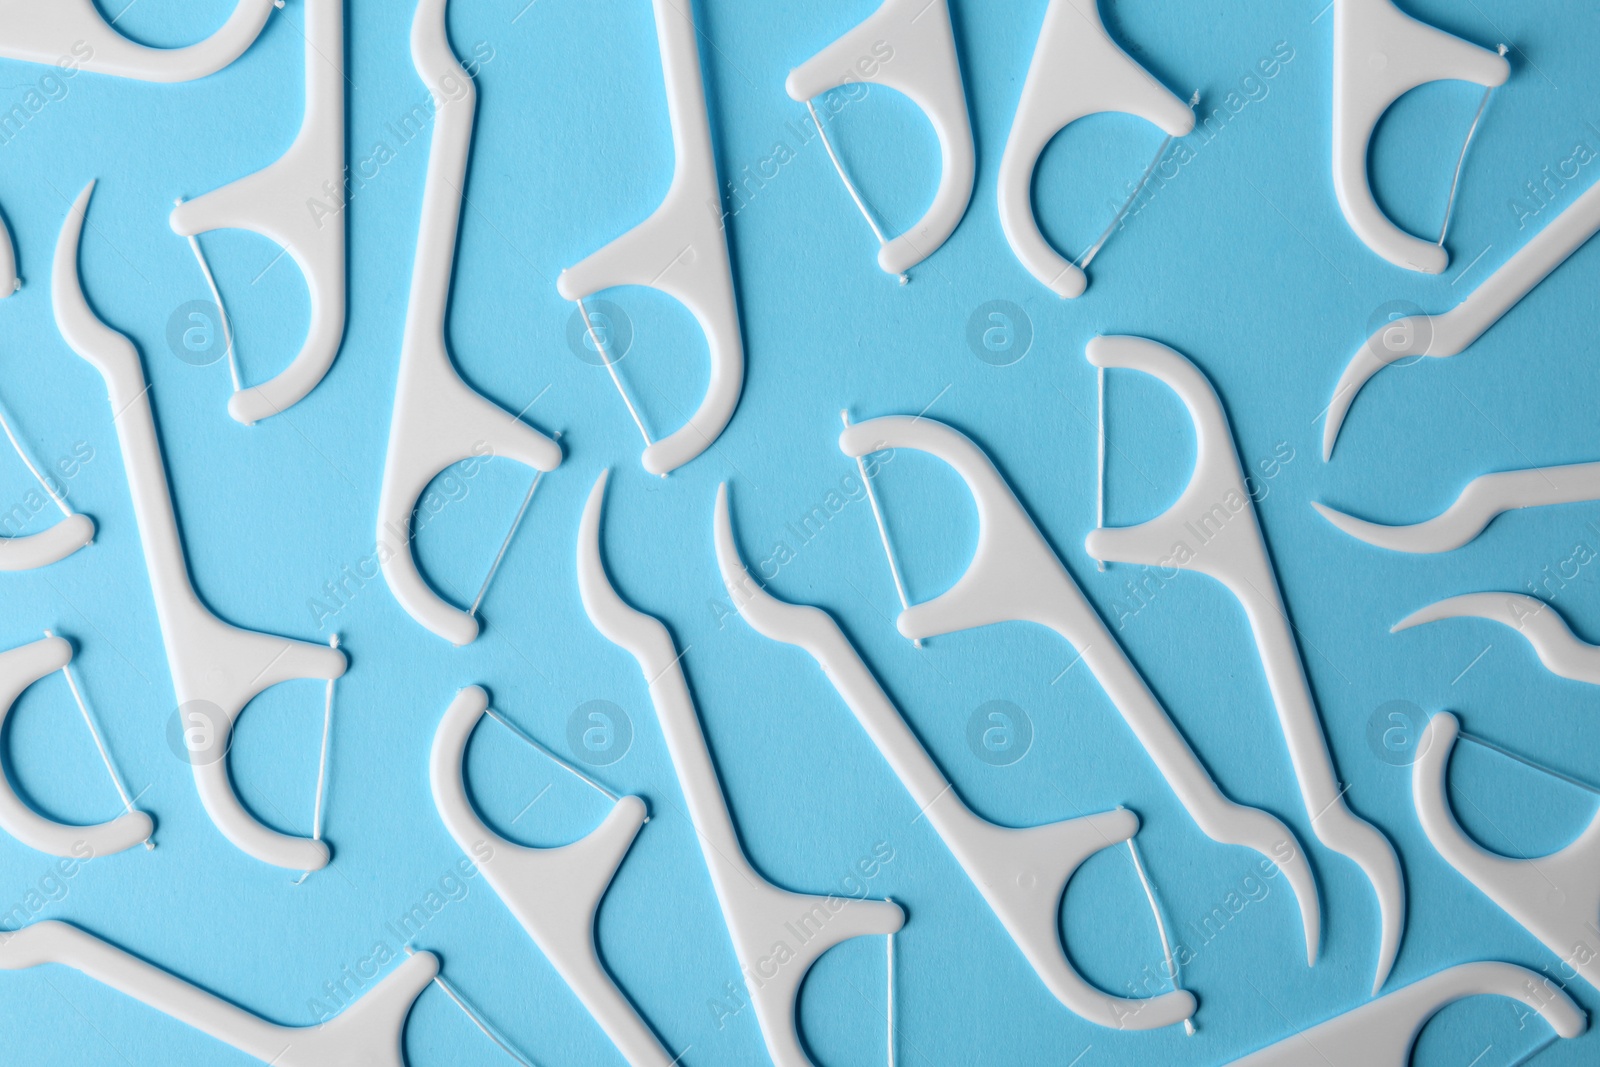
point(681, 249)
point(1016, 577)
point(57, 31)
point(1540, 623)
point(777, 935)
point(47, 546)
point(20, 668)
point(1077, 71)
point(8, 262)
point(216, 668)
point(1454, 331)
point(917, 37)
point(1381, 1033)
point(298, 203)
point(1023, 874)
point(1484, 498)
point(368, 1033)
point(438, 420)
point(1556, 897)
point(553, 892)
point(1212, 529)
point(1379, 55)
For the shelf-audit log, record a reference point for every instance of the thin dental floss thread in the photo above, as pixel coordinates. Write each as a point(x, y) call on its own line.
point(1526, 762)
point(477, 1020)
point(322, 760)
point(527, 739)
point(216, 295)
point(1461, 161)
point(883, 530)
point(99, 742)
point(1149, 171)
point(483, 590)
point(1161, 925)
point(5, 423)
point(890, 996)
point(611, 368)
point(850, 187)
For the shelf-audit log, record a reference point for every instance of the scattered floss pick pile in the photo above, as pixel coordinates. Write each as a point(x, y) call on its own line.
point(1022, 874)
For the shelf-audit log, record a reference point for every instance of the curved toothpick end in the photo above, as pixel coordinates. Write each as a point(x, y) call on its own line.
point(1431, 613)
point(1356, 374)
point(1372, 533)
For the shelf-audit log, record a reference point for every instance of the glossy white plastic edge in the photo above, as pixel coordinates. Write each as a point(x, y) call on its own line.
point(1077, 71)
point(1022, 873)
point(1236, 555)
point(1556, 897)
point(438, 420)
point(553, 892)
point(1538, 622)
point(369, 1032)
point(215, 665)
point(32, 551)
point(758, 914)
point(1015, 576)
point(925, 68)
point(9, 283)
point(1381, 1033)
point(53, 31)
point(681, 249)
point(1379, 55)
point(1454, 331)
point(1485, 497)
point(281, 203)
point(20, 668)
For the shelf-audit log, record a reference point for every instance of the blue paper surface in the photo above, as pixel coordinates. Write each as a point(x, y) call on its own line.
point(1237, 256)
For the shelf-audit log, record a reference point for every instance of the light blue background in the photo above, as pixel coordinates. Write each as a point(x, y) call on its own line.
point(1242, 262)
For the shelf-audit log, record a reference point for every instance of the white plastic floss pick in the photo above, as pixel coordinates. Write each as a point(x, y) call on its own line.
point(681, 249)
point(1190, 536)
point(74, 31)
point(438, 420)
point(908, 46)
point(1379, 55)
point(370, 1032)
point(1023, 874)
point(1077, 71)
point(1381, 1032)
point(1015, 576)
point(1540, 624)
point(1556, 897)
point(216, 668)
point(553, 892)
point(759, 915)
point(1484, 498)
point(19, 669)
point(9, 282)
point(1453, 332)
point(299, 204)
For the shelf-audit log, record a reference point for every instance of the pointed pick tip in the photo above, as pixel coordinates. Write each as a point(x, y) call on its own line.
point(1416, 618)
